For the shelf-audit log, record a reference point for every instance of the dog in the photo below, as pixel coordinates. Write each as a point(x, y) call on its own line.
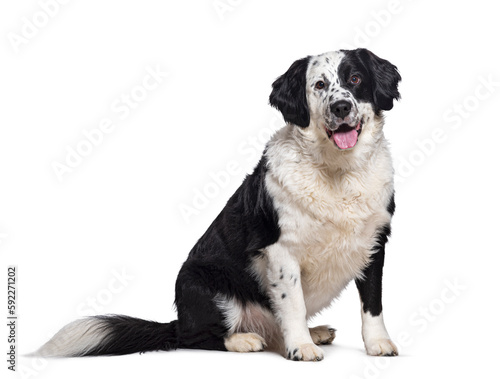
point(314, 215)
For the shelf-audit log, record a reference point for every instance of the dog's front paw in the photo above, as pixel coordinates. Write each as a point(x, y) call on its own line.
point(305, 352)
point(383, 346)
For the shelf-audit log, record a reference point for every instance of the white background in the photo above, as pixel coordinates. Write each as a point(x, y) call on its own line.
point(118, 211)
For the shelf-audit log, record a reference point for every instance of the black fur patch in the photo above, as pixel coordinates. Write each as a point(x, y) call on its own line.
point(391, 208)
point(289, 94)
point(379, 78)
point(126, 335)
point(370, 287)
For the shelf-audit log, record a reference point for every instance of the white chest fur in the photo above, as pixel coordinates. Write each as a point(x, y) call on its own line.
point(328, 218)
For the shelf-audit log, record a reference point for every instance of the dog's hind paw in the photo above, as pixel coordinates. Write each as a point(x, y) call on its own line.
point(322, 335)
point(244, 342)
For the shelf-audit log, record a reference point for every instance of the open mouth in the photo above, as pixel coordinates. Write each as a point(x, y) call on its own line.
point(345, 136)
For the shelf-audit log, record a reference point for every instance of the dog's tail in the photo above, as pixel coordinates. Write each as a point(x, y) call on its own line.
point(110, 335)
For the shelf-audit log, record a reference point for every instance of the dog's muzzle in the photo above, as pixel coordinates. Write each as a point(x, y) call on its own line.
point(345, 130)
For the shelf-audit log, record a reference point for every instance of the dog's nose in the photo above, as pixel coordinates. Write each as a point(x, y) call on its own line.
point(341, 108)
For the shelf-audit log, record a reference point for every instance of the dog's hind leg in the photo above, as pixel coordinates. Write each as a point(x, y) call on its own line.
point(200, 322)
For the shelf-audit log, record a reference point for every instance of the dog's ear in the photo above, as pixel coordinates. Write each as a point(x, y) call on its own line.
point(385, 77)
point(289, 94)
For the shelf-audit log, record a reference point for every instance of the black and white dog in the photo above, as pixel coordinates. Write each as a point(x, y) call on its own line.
point(314, 215)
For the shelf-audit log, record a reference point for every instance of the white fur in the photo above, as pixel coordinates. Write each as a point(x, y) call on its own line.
point(375, 336)
point(75, 338)
point(285, 290)
point(328, 217)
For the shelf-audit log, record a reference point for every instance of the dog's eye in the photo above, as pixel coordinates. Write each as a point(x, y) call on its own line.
point(355, 79)
point(320, 85)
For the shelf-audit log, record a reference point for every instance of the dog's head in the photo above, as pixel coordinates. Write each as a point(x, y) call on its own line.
point(337, 92)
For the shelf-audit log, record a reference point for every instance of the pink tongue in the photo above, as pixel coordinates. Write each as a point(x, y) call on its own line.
point(346, 140)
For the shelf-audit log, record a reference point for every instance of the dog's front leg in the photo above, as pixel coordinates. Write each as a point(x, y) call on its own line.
point(375, 336)
point(285, 290)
